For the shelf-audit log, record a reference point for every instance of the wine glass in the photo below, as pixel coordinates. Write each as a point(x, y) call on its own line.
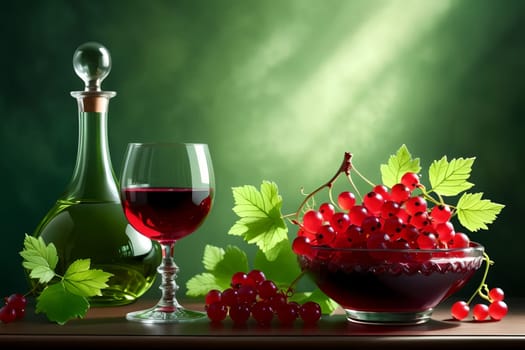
point(167, 191)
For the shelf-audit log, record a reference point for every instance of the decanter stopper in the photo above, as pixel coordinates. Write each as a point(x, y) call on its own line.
point(92, 63)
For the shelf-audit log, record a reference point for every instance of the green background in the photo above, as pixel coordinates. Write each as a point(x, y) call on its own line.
point(279, 89)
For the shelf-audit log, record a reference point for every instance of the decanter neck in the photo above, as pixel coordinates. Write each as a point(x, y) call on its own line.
point(93, 179)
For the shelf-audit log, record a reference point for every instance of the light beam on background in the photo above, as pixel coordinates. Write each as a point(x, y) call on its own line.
point(359, 63)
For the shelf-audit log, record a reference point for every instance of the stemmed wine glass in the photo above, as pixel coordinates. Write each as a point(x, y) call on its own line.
point(166, 192)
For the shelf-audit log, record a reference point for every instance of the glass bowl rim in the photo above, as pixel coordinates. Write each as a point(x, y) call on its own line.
point(473, 247)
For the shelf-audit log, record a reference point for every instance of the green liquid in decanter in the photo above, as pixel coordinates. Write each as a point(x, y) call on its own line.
point(100, 232)
point(88, 221)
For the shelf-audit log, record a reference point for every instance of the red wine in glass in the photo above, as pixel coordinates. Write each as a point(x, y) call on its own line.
point(166, 213)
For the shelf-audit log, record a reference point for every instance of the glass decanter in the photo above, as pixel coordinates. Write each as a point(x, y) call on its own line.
point(87, 221)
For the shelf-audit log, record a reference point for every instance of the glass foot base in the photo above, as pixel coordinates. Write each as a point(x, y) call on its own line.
point(388, 318)
point(159, 314)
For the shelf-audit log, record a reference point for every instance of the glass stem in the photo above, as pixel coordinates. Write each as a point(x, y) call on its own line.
point(168, 270)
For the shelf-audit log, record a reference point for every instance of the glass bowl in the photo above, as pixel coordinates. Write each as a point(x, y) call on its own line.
point(390, 286)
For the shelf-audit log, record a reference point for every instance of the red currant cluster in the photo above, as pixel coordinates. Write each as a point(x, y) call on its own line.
point(14, 308)
point(252, 295)
point(395, 219)
point(496, 310)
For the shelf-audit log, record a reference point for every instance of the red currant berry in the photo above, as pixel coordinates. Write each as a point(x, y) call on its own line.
point(340, 221)
point(399, 193)
point(287, 313)
point(217, 311)
point(410, 233)
point(325, 235)
point(301, 246)
point(393, 226)
point(240, 313)
point(238, 280)
point(460, 310)
point(7, 314)
point(496, 294)
point(383, 191)
point(480, 312)
point(378, 240)
point(445, 231)
point(229, 296)
point(277, 300)
point(310, 312)
point(371, 224)
point(420, 220)
point(373, 201)
point(389, 209)
point(255, 277)
point(346, 200)
point(352, 237)
point(411, 180)
point(246, 293)
point(440, 213)
point(498, 310)
point(266, 289)
point(212, 296)
point(312, 220)
point(357, 214)
point(427, 241)
point(20, 313)
point(327, 210)
point(415, 204)
point(263, 313)
point(17, 301)
point(460, 240)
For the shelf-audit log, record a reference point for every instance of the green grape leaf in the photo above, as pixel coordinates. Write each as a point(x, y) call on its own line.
point(398, 165)
point(234, 260)
point(80, 280)
point(40, 259)
point(220, 264)
point(60, 305)
point(212, 256)
point(201, 284)
point(474, 213)
point(260, 220)
point(450, 178)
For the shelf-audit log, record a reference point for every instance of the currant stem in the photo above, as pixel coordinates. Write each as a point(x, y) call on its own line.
point(363, 177)
point(291, 287)
point(349, 177)
point(482, 284)
point(345, 167)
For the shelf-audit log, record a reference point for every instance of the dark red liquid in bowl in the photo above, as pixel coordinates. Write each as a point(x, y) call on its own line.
point(391, 281)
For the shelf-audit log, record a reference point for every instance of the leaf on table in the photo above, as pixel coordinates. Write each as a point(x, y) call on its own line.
point(40, 259)
point(474, 212)
point(260, 219)
point(398, 164)
point(60, 305)
point(450, 178)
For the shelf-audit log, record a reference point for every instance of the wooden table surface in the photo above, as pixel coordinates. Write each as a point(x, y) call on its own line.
point(108, 328)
